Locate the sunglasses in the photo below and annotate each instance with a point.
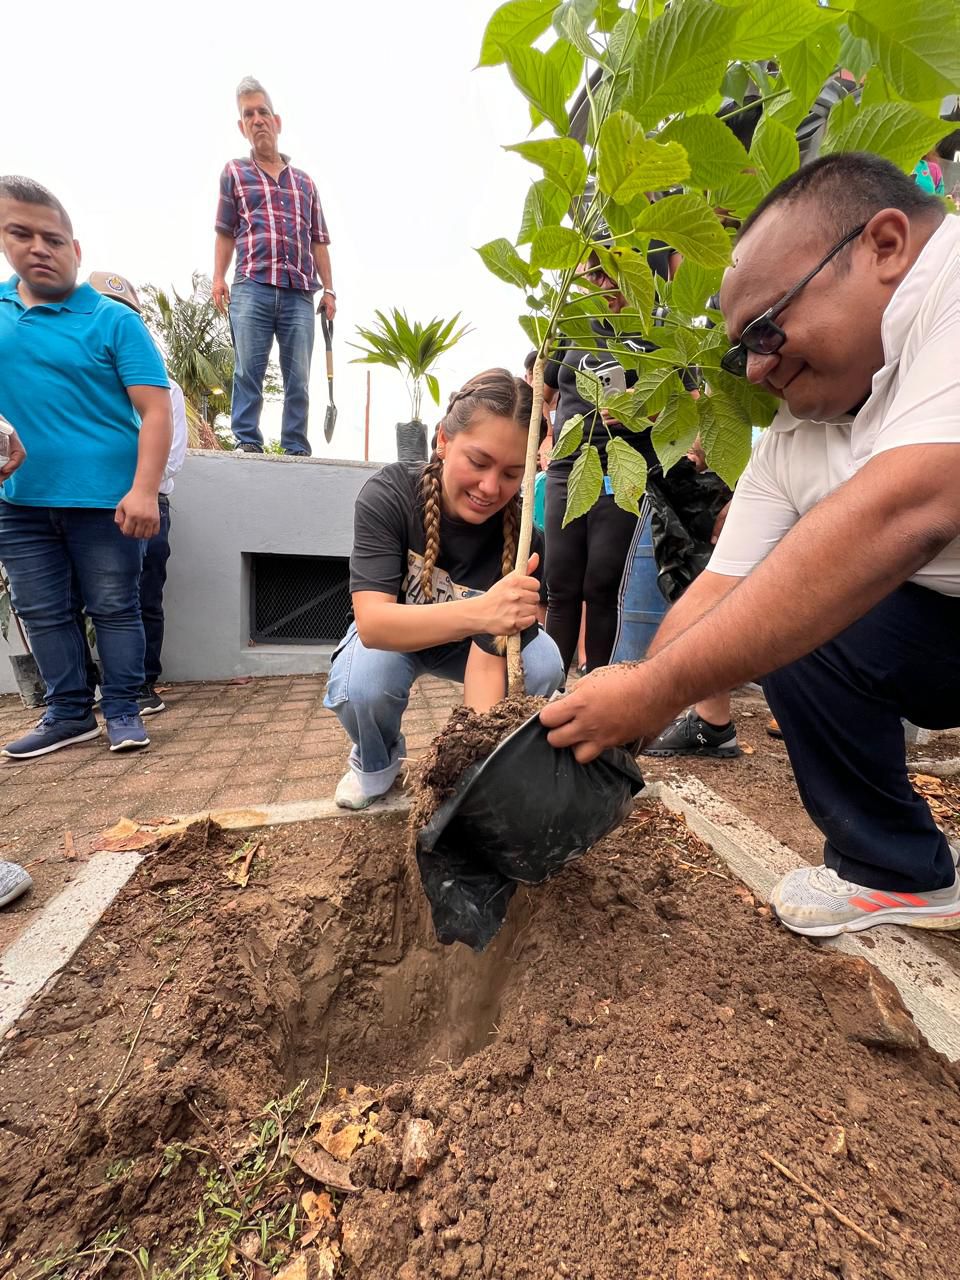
(763, 336)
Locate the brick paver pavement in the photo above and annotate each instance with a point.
(218, 745)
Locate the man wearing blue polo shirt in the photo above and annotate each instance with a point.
(84, 385)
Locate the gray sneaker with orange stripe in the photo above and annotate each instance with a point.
(814, 901)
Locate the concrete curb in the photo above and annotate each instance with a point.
(41, 951)
(929, 987)
(33, 962)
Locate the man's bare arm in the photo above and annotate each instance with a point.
(321, 258)
(137, 512)
(698, 599)
(222, 254)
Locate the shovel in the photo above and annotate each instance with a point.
(330, 421)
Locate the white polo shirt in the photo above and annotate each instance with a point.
(915, 399)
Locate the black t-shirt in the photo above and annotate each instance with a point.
(389, 542)
(561, 372)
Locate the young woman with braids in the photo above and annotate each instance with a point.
(431, 545)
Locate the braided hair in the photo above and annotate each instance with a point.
(497, 392)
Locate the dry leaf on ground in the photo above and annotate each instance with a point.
(317, 1206)
(321, 1166)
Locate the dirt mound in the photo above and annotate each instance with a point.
(466, 738)
(643, 1077)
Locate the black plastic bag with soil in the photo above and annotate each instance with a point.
(498, 805)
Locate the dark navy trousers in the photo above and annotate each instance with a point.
(839, 709)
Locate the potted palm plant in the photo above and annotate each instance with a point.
(412, 349)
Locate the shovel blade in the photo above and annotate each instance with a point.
(329, 422)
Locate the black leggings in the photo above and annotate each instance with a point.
(584, 565)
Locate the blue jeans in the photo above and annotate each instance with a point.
(49, 554)
(258, 313)
(369, 689)
(839, 710)
(153, 578)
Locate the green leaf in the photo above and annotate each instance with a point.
(626, 409)
(775, 153)
(433, 386)
(725, 433)
(895, 130)
(608, 15)
(628, 474)
(877, 91)
(736, 82)
(624, 41)
(570, 438)
(556, 248)
(807, 65)
(636, 281)
(584, 484)
(535, 327)
(561, 159)
(589, 388)
(568, 64)
(539, 82)
(500, 257)
(544, 206)
(758, 405)
(689, 225)
(514, 25)
(917, 45)
(692, 286)
(770, 26)
(653, 388)
(681, 60)
(855, 53)
(570, 26)
(628, 164)
(676, 428)
(715, 154)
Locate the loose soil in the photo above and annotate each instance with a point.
(466, 738)
(601, 1095)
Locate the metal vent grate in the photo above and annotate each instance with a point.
(299, 599)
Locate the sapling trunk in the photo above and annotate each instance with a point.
(515, 683)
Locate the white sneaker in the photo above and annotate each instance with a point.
(349, 793)
(815, 901)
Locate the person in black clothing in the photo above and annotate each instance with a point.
(585, 561)
(431, 545)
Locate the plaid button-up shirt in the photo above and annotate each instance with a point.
(274, 221)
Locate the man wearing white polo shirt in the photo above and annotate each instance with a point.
(838, 569)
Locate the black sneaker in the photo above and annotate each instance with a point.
(247, 448)
(690, 735)
(150, 701)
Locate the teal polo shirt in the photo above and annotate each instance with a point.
(64, 370)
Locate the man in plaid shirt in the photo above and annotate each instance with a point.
(270, 213)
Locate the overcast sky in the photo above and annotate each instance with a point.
(128, 115)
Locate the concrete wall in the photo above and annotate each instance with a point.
(225, 507)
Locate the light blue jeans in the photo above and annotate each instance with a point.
(368, 689)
